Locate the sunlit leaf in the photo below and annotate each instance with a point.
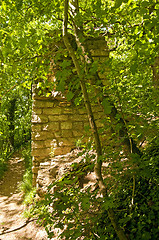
(69, 95)
(118, 3)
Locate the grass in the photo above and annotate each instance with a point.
(25, 187)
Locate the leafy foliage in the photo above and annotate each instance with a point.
(81, 212)
(32, 48)
(15, 118)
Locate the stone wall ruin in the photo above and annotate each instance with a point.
(57, 124)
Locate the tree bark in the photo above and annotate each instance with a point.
(93, 126)
(11, 113)
(155, 69)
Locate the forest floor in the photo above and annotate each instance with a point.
(13, 226)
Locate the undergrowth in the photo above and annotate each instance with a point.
(81, 213)
(25, 187)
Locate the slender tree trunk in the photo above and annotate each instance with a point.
(155, 69)
(93, 126)
(11, 120)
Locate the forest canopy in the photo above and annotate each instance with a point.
(39, 36)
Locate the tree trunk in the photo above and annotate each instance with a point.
(93, 126)
(11, 120)
(155, 69)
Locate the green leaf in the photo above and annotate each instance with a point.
(4, 5)
(146, 236)
(48, 94)
(61, 86)
(145, 4)
(118, 3)
(133, 68)
(87, 128)
(65, 63)
(85, 203)
(107, 106)
(108, 204)
(69, 96)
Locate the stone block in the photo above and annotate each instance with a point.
(52, 111)
(43, 118)
(78, 126)
(58, 134)
(60, 117)
(36, 127)
(44, 127)
(66, 125)
(37, 111)
(42, 104)
(64, 104)
(78, 117)
(38, 159)
(66, 142)
(53, 126)
(41, 135)
(42, 152)
(66, 133)
(67, 110)
(38, 144)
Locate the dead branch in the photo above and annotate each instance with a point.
(18, 228)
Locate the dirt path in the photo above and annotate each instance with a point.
(11, 208)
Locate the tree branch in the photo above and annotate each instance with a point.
(85, 93)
